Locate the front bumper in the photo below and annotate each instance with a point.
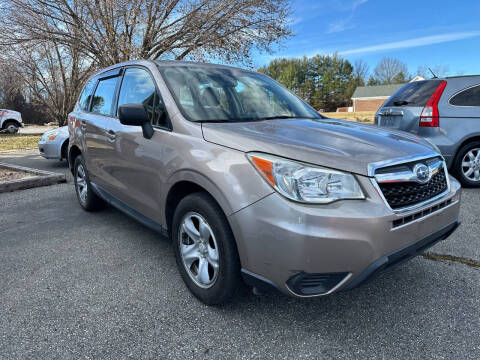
(50, 149)
(402, 255)
(341, 244)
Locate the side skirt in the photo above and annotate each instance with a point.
(123, 207)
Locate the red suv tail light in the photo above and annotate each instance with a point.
(430, 116)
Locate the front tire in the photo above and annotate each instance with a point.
(87, 199)
(467, 164)
(205, 249)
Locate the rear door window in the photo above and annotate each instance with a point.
(415, 93)
(467, 97)
(104, 96)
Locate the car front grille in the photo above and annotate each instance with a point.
(404, 194)
(408, 219)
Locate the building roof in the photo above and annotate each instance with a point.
(375, 91)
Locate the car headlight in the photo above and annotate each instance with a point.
(304, 182)
(49, 135)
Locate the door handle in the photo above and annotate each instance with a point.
(83, 125)
(111, 135)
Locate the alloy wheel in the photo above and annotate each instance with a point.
(471, 165)
(199, 250)
(81, 183)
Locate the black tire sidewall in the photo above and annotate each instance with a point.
(14, 131)
(92, 202)
(228, 278)
(457, 167)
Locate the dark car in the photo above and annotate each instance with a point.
(446, 112)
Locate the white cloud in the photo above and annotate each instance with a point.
(404, 44)
(416, 42)
(295, 20)
(347, 22)
(357, 3)
(340, 25)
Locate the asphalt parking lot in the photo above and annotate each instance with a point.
(82, 285)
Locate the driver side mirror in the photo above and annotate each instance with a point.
(135, 115)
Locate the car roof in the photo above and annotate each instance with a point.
(119, 65)
(448, 77)
(165, 63)
(461, 76)
(168, 63)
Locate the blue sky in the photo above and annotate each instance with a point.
(418, 32)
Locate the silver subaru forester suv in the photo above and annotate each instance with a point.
(252, 184)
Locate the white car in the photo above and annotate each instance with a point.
(10, 121)
(54, 144)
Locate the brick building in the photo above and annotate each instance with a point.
(370, 98)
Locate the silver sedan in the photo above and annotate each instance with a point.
(54, 144)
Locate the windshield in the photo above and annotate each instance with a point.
(220, 94)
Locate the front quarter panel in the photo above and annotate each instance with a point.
(225, 173)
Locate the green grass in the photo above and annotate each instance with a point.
(10, 142)
(360, 116)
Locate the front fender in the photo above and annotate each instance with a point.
(202, 181)
(229, 200)
(225, 173)
(19, 124)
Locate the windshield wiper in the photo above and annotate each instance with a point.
(256, 119)
(284, 117)
(277, 117)
(400, 103)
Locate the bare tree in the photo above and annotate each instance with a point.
(56, 44)
(110, 31)
(11, 84)
(391, 71)
(360, 72)
(438, 70)
(52, 73)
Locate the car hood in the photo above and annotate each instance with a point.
(332, 143)
(61, 131)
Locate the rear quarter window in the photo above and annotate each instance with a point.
(86, 95)
(103, 98)
(467, 97)
(415, 93)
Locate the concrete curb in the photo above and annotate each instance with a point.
(42, 178)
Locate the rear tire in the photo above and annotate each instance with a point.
(466, 165)
(87, 199)
(205, 249)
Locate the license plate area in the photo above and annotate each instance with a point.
(389, 121)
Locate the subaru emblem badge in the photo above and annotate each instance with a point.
(422, 172)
